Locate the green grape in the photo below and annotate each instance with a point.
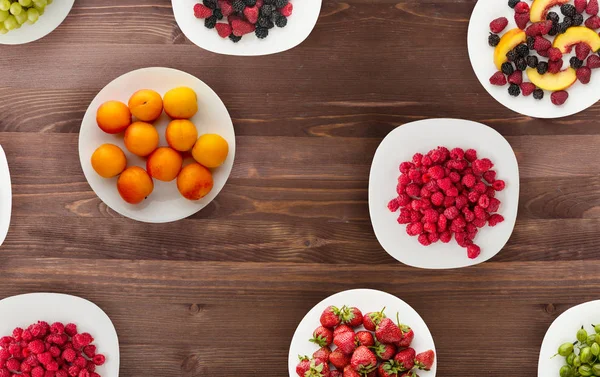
(4, 4)
(21, 18)
(3, 15)
(3, 29)
(16, 9)
(25, 3)
(50, 1)
(39, 9)
(11, 23)
(40, 3)
(33, 15)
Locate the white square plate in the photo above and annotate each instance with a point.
(298, 28)
(367, 300)
(5, 196)
(422, 136)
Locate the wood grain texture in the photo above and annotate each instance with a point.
(292, 224)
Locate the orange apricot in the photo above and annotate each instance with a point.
(195, 181)
(108, 160)
(113, 117)
(164, 164)
(134, 185)
(141, 138)
(146, 105)
(181, 135)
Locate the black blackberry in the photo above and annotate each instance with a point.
(512, 55)
(261, 32)
(493, 40)
(210, 22)
(575, 62)
(234, 38)
(553, 30)
(281, 21)
(514, 90)
(212, 4)
(265, 22)
(217, 13)
(577, 20)
(250, 3)
(530, 42)
(507, 68)
(538, 94)
(267, 10)
(513, 3)
(238, 5)
(522, 50)
(532, 61)
(281, 3)
(521, 64)
(542, 68)
(568, 21)
(568, 10)
(554, 17)
(269, 2)
(562, 27)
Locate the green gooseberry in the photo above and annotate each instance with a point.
(582, 335)
(591, 339)
(576, 362)
(595, 349)
(597, 328)
(596, 369)
(566, 371)
(586, 355)
(570, 359)
(585, 370)
(565, 349)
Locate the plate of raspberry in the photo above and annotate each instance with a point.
(300, 23)
(571, 96)
(5, 196)
(27, 309)
(364, 303)
(399, 147)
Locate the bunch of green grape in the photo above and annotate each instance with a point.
(14, 13)
(582, 356)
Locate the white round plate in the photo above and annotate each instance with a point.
(53, 16)
(23, 310)
(481, 54)
(367, 300)
(165, 203)
(422, 136)
(5, 196)
(298, 28)
(563, 330)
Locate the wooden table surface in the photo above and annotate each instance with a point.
(221, 293)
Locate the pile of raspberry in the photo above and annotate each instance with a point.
(447, 192)
(522, 56)
(241, 17)
(44, 350)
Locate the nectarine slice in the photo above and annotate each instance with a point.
(552, 81)
(509, 40)
(575, 35)
(539, 9)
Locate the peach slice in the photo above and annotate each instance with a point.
(509, 40)
(552, 81)
(539, 9)
(575, 35)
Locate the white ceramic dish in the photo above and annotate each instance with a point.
(300, 24)
(422, 136)
(367, 300)
(481, 54)
(53, 16)
(563, 330)
(165, 203)
(5, 196)
(23, 310)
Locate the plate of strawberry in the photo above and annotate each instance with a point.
(362, 332)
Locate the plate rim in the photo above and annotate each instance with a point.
(4, 168)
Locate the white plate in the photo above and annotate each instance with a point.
(23, 310)
(298, 28)
(422, 136)
(367, 300)
(5, 196)
(481, 54)
(563, 330)
(165, 203)
(53, 16)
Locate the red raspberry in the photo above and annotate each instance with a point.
(251, 14)
(433, 237)
(430, 216)
(57, 328)
(71, 329)
(446, 236)
(393, 205)
(80, 361)
(226, 8)
(37, 331)
(26, 367)
(593, 61)
(430, 228)
(554, 53)
(522, 7)
(44, 358)
(36, 346)
(414, 229)
(539, 28)
(473, 251)
(61, 373)
(5, 341)
(444, 184)
(454, 177)
(425, 193)
(52, 366)
(414, 174)
(482, 165)
(84, 373)
(14, 349)
(73, 371)
(469, 180)
(54, 351)
(461, 239)
(580, 5)
(442, 223)
(426, 161)
(241, 27)
(404, 217)
(287, 10)
(499, 185)
(471, 155)
(13, 365)
(437, 199)
(96, 374)
(424, 240)
(473, 196)
(457, 154)
(17, 332)
(449, 201)
(436, 172)
(452, 192)
(436, 156)
(480, 223)
(498, 25)
(403, 200)
(468, 214)
(404, 179)
(405, 167)
(527, 88)
(480, 213)
(38, 372)
(432, 187)
(495, 219)
(494, 205)
(32, 361)
(202, 11)
(522, 19)
(490, 192)
(417, 159)
(556, 66)
(451, 213)
(489, 176)
(480, 187)
(27, 337)
(543, 53)
(91, 367)
(223, 29)
(461, 201)
(541, 44)
(4, 355)
(582, 50)
(584, 74)
(416, 205)
(483, 201)
(458, 223)
(415, 216)
(592, 8)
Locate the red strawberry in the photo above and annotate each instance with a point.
(498, 25)
(322, 336)
(202, 11)
(593, 22)
(539, 28)
(339, 359)
(322, 353)
(330, 317)
(407, 337)
(251, 14)
(341, 329)
(555, 66)
(593, 61)
(522, 7)
(225, 7)
(372, 319)
(333, 373)
(580, 5)
(364, 338)
(352, 317)
(303, 366)
(372, 373)
(363, 360)
(223, 29)
(388, 332)
(405, 359)
(516, 77)
(522, 19)
(592, 8)
(424, 360)
(526, 88)
(345, 342)
(584, 74)
(388, 369)
(242, 27)
(350, 372)
(541, 44)
(554, 54)
(497, 79)
(287, 10)
(582, 50)
(384, 351)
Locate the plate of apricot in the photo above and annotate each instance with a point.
(157, 145)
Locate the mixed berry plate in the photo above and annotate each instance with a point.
(22, 310)
(5, 196)
(580, 96)
(298, 28)
(421, 136)
(54, 15)
(367, 300)
(167, 204)
(562, 330)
